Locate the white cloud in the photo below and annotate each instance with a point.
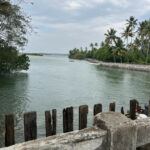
(73, 5)
(65, 24)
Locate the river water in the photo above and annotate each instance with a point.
(55, 82)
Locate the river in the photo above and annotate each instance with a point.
(55, 82)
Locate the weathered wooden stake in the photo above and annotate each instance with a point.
(48, 123)
(9, 130)
(133, 107)
(54, 121)
(83, 111)
(97, 109)
(112, 106)
(148, 113)
(68, 119)
(30, 126)
(122, 110)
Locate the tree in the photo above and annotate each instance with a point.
(13, 28)
(92, 46)
(114, 49)
(126, 34)
(131, 24)
(111, 36)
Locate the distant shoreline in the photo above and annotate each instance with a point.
(46, 54)
(135, 67)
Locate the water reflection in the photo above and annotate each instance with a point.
(13, 98)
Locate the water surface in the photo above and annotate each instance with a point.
(55, 82)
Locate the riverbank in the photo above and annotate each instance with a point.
(136, 67)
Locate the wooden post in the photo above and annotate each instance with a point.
(64, 121)
(148, 109)
(54, 121)
(83, 111)
(122, 110)
(9, 130)
(68, 119)
(133, 106)
(48, 123)
(97, 109)
(112, 106)
(30, 126)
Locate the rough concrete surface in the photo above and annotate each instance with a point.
(87, 139)
(121, 130)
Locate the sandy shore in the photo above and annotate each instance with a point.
(136, 67)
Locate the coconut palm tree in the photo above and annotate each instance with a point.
(141, 34)
(131, 24)
(118, 50)
(92, 46)
(126, 34)
(146, 32)
(96, 44)
(144, 35)
(111, 36)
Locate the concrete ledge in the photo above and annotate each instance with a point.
(90, 138)
(143, 131)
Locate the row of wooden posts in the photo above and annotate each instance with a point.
(30, 121)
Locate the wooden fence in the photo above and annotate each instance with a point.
(30, 121)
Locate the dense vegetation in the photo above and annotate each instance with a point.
(132, 46)
(13, 29)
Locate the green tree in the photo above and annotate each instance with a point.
(131, 24)
(13, 28)
(126, 34)
(111, 36)
(92, 46)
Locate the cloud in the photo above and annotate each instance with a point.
(65, 24)
(73, 5)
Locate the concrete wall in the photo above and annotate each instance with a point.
(111, 131)
(87, 139)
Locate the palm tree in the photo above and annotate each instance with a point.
(126, 34)
(96, 44)
(131, 24)
(141, 34)
(102, 44)
(144, 35)
(92, 45)
(111, 36)
(147, 37)
(119, 49)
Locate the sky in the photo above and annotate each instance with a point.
(61, 25)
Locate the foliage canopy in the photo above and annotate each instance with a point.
(13, 29)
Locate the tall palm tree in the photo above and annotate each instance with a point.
(144, 35)
(141, 34)
(147, 37)
(102, 44)
(131, 24)
(126, 34)
(92, 46)
(96, 44)
(120, 50)
(111, 36)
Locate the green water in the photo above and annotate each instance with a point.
(55, 82)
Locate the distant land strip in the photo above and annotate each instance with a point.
(43, 54)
